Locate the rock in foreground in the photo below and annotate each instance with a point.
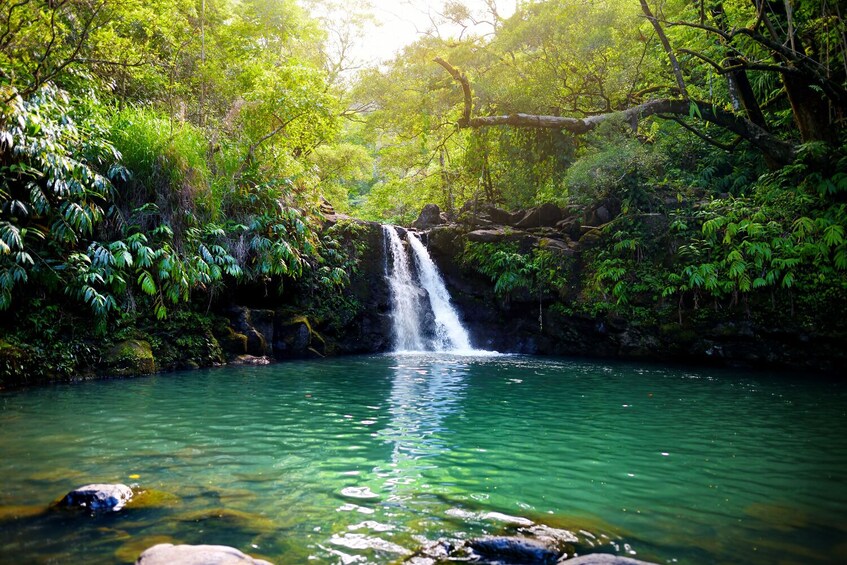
(99, 497)
(540, 545)
(169, 554)
(509, 549)
(603, 559)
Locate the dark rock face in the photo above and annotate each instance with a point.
(257, 335)
(257, 326)
(98, 497)
(371, 331)
(292, 338)
(169, 554)
(519, 322)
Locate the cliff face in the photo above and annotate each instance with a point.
(284, 327)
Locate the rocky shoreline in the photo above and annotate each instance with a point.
(523, 541)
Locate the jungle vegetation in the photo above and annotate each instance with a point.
(155, 153)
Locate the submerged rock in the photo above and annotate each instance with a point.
(603, 559)
(99, 497)
(169, 554)
(150, 498)
(250, 360)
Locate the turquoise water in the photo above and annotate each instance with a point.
(362, 459)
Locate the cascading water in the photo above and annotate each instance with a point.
(408, 312)
(449, 332)
(405, 311)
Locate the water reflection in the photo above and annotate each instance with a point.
(425, 390)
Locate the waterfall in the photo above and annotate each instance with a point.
(411, 319)
(405, 311)
(449, 332)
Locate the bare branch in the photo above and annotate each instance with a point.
(677, 71)
(466, 89)
(779, 151)
(729, 147)
(9, 33)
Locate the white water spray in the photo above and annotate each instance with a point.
(450, 335)
(405, 298)
(408, 313)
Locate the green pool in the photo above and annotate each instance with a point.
(363, 459)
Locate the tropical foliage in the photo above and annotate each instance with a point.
(155, 154)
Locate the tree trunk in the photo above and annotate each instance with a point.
(811, 111)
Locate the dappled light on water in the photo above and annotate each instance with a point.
(364, 459)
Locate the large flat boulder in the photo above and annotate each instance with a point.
(494, 235)
(169, 554)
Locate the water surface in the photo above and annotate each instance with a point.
(362, 459)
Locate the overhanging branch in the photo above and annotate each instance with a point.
(466, 89)
(780, 151)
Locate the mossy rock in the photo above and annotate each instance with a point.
(129, 551)
(151, 498)
(295, 338)
(10, 513)
(227, 519)
(233, 342)
(129, 358)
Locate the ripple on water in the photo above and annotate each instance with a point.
(361, 460)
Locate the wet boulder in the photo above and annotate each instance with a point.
(513, 549)
(250, 360)
(98, 497)
(169, 554)
(603, 559)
